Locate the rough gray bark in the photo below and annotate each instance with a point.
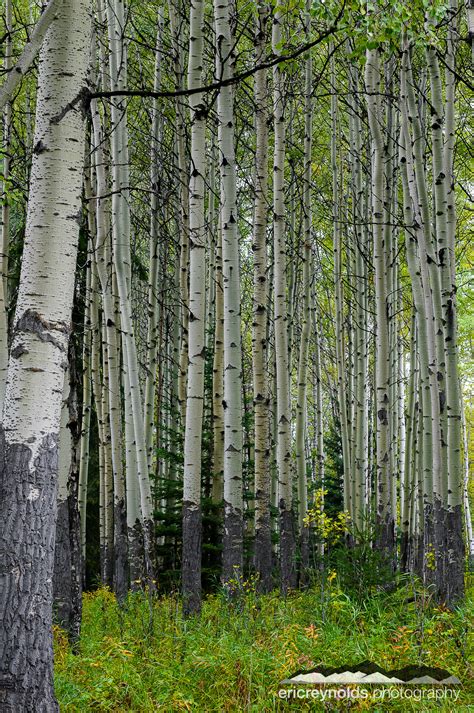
(191, 574)
(26, 673)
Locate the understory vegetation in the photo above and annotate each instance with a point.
(146, 658)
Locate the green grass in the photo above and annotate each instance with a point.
(233, 657)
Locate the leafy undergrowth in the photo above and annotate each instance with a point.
(233, 657)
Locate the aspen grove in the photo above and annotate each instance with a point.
(236, 315)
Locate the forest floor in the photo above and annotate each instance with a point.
(232, 658)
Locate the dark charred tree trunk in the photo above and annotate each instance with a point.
(232, 558)
(455, 553)
(303, 578)
(67, 578)
(263, 550)
(136, 558)
(120, 551)
(287, 549)
(191, 566)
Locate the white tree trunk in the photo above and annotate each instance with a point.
(263, 548)
(31, 413)
(122, 264)
(191, 573)
(385, 515)
(301, 403)
(280, 316)
(52, 12)
(233, 439)
(153, 330)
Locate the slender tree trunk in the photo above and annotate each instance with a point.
(122, 264)
(385, 515)
(108, 484)
(86, 405)
(191, 571)
(435, 488)
(29, 444)
(154, 320)
(178, 42)
(103, 258)
(233, 438)
(319, 476)
(467, 509)
(280, 317)
(452, 580)
(409, 482)
(301, 404)
(361, 382)
(67, 578)
(218, 382)
(339, 300)
(98, 400)
(263, 545)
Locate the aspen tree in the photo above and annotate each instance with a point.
(361, 421)
(408, 481)
(154, 317)
(96, 356)
(431, 286)
(211, 243)
(453, 580)
(213, 484)
(35, 377)
(280, 322)
(339, 300)
(440, 248)
(62, 551)
(263, 546)
(103, 266)
(390, 243)
(191, 568)
(84, 447)
(301, 404)
(84, 450)
(67, 577)
(218, 381)
(108, 484)
(178, 41)
(466, 475)
(122, 265)
(215, 334)
(385, 515)
(423, 312)
(233, 438)
(319, 474)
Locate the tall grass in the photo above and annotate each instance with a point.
(147, 658)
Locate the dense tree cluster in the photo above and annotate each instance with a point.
(235, 237)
